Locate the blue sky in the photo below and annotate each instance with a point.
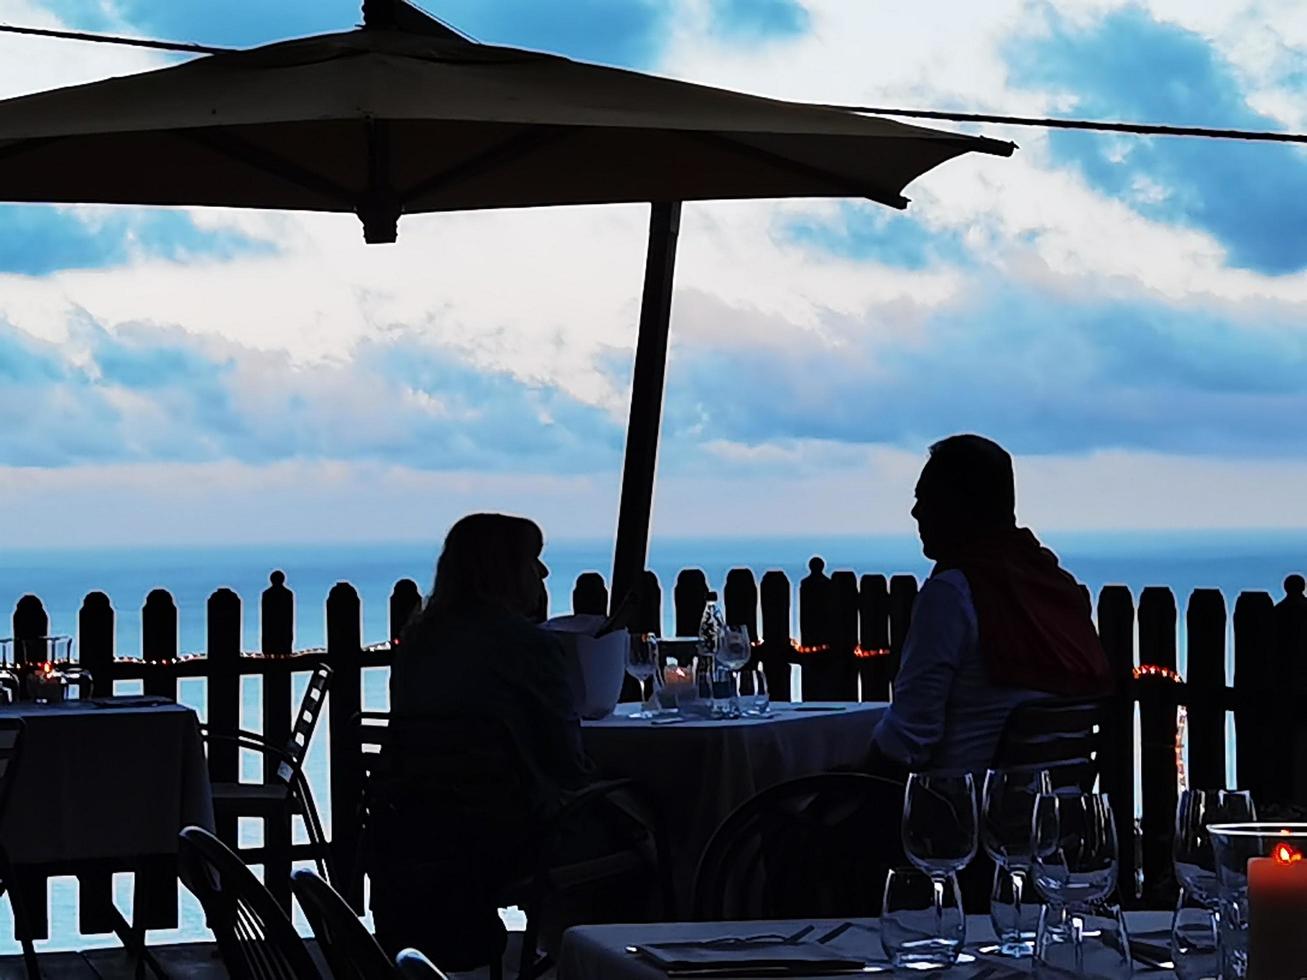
(1100, 304)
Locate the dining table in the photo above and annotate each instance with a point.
(104, 785)
(609, 952)
(699, 770)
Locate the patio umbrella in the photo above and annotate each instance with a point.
(406, 116)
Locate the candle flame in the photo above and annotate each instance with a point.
(1284, 854)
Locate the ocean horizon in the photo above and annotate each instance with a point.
(1232, 561)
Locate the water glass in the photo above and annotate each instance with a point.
(1083, 940)
(1194, 945)
(1014, 910)
(921, 924)
(754, 699)
(1007, 809)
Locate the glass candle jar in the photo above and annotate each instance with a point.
(1261, 871)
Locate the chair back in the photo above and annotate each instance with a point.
(11, 743)
(818, 846)
(256, 939)
(351, 951)
(1063, 735)
(306, 720)
(412, 965)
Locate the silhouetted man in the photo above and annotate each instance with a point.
(997, 623)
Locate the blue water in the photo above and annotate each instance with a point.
(1229, 561)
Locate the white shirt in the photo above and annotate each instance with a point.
(945, 714)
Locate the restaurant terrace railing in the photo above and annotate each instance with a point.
(850, 634)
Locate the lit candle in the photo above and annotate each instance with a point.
(1277, 915)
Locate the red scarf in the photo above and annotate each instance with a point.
(1034, 622)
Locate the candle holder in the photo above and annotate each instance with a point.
(1261, 871)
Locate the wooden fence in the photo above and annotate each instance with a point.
(850, 633)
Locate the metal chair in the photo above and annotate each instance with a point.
(352, 953)
(288, 795)
(814, 847)
(412, 965)
(1062, 735)
(11, 744)
(255, 936)
(450, 795)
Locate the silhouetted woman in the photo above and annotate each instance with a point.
(471, 667)
(998, 622)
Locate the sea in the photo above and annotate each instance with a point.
(1232, 561)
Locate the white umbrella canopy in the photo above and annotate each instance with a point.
(387, 121)
(405, 116)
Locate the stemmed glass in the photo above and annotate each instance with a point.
(642, 665)
(734, 652)
(1194, 930)
(940, 838)
(1007, 809)
(1075, 863)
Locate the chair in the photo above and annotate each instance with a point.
(288, 794)
(412, 965)
(817, 846)
(1063, 735)
(350, 950)
(11, 743)
(451, 794)
(255, 936)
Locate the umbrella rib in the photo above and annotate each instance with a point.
(236, 148)
(851, 187)
(511, 149)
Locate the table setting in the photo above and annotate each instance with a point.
(1241, 913)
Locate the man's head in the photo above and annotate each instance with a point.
(966, 490)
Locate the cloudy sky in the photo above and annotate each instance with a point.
(1128, 315)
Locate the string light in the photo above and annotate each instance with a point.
(1181, 717)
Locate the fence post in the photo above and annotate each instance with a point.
(742, 606)
(1157, 708)
(344, 649)
(155, 898)
(31, 624)
(1205, 687)
(95, 641)
(902, 597)
(277, 605)
(844, 636)
(650, 616)
(1116, 631)
(690, 596)
(1291, 674)
(590, 594)
(873, 629)
(95, 649)
(777, 650)
(405, 601)
(815, 620)
(1257, 770)
(224, 683)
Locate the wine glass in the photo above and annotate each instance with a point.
(1194, 925)
(754, 699)
(642, 665)
(914, 932)
(1195, 862)
(940, 837)
(1074, 862)
(734, 651)
(1007, 809)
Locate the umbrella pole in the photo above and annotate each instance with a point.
(647, 384)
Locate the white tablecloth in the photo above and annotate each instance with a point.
(599, 952)
(700, 771)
